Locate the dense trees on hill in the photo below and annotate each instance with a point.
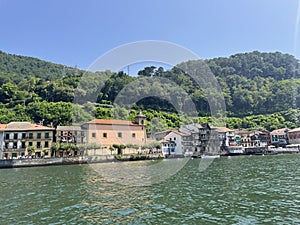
(260, 90)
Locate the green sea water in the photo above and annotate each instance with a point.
(236, 190)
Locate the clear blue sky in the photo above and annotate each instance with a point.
(77, 32)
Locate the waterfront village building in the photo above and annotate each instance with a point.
(252, 139)
(17, 137)
(226, 137)
(172, 143)
(168, 147)
(294, 136)
(158, 136)
(70, 135)
(109, 132)
(200, 139)
(191, 143)
(279, 137)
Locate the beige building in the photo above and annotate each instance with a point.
(110, 132)
(21, 139)
(294, 136)
(70, 135)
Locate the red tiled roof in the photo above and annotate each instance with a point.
(39, 127)
(294, 130)
(3, 126)
(279, 131)
(23, 126)
(223, 129)
(112, 122)
(177, 132)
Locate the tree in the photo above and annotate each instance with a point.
(119, 148)
(31, 150)
(54, 149)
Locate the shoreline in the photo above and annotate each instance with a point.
(22, 163)
(19, 163)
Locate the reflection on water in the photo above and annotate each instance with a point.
(236, 190)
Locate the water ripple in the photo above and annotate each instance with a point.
(241, 190)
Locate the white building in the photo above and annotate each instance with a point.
(176, 137)
(279, 137)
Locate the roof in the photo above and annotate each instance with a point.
(294, 130)
(39, 127)
(179, 133)
(223, 129)
(112, 122)
(23, 126)
(238, 131)
(67, 128)
(279, 131)
(3, 126)
(141, 115)
(18, 125)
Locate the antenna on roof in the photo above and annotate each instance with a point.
(41, 122)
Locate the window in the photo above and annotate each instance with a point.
(133, 135)
(82, 133)
(105, 135)
(39, 135)
(175, 138)
(120, 135)
(23, 135)
(23, 144)
(30, 135)
(47, 135)
(75, 133)
(7, 136)
(15, 136)
(38, 144)
(30, 143)
(46, 144)
(93, 135)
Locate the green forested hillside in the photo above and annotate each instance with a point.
(261, 90)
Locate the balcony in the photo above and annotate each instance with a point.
(14, 149)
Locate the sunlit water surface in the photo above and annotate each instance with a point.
(236, 190)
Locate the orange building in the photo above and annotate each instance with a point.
(110, 132)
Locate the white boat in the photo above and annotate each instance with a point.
(209, 156)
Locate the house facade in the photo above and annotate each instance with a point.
(226, 137)
(21, 139)
(294, 136)
(168, 147)
(252, 139)
(279, 137)
(70, 135)
(200, 139)
(120, 132)
(174, 139)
